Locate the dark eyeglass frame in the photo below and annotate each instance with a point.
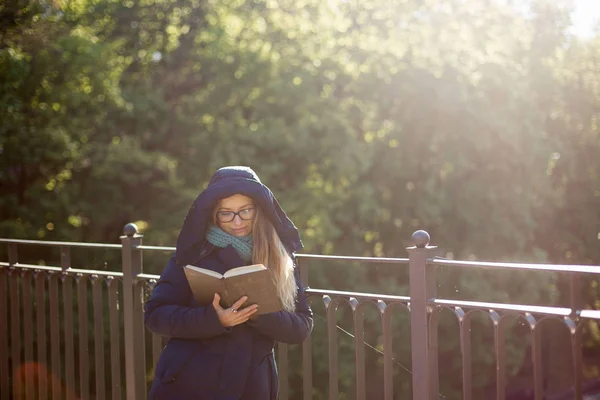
(239, 213)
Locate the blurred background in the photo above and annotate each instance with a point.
(476, 120)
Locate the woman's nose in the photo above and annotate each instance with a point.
(237, 220)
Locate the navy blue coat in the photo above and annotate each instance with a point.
(203, 360)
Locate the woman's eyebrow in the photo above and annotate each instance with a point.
(231, 209)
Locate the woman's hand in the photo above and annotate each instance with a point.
(233, 316)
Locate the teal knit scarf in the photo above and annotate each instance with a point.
(241, 244)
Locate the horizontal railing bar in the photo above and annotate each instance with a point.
(356, 295)
(589, 269)
(67, 244)
(147, 277)
(592, 314)
(351, 258)
(94, 272)
(31, 266)
(561, 311)
(155, 248)
(59, 269)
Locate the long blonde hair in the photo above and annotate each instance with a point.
(267, 249)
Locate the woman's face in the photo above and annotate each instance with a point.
(235, 215)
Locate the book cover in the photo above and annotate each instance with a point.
(253, 281)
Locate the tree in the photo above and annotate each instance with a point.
(368, 120)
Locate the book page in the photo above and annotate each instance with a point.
(244, 270)
(205, 271)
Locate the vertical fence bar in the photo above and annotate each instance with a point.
(112, 286)
(282, 362)
(307, 381)
(388, 366)
(139, 296)
(433, 354)
(330, 307)
(536, 358)
(422, 289)
(65, 263)
(359, 348)
(307, 384)
(576, 351)
(98, 304)
(464, 322)
(42, 337)
(4, 322)
(133, 315)
(68, 337)
(84, 361)
(28, 336)
(55, 351)
(157, 340)
(499, 345)
(15, 324)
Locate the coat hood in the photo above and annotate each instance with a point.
(226, 182)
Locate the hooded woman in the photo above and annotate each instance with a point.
(215, 353)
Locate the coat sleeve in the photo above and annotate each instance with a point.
(284, 326)
(168, 311)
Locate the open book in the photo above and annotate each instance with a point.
(253, 281)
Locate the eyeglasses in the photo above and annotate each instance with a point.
(247, 214)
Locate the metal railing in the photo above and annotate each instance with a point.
(49, 365)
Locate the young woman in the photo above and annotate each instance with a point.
(215, 353)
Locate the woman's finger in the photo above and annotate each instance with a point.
(239, 303)
(247, 310)
(233, 315)
(216, 301)
(243, 315)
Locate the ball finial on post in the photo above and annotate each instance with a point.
(420, 239)
(130, 229)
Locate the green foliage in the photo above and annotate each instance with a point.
(369, 120)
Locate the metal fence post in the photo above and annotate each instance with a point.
(133, 315)
(422, 289)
